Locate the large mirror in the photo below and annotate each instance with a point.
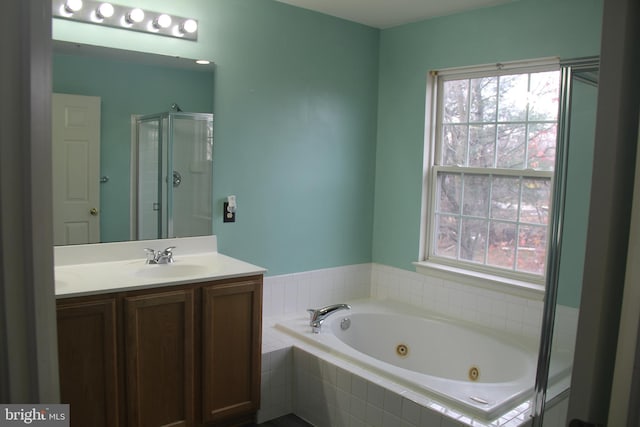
(132, 139)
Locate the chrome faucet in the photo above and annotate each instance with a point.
(317, 315)
(160, 257)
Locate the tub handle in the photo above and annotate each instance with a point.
(318, 315)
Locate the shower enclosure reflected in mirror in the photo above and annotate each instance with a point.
(126, 85)
(172, 175)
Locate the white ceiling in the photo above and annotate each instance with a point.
(391, 13)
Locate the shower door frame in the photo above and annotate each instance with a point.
(569, 70)
(170, 116)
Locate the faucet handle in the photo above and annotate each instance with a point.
(168, 253)
(151, 255)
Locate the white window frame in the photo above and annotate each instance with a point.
(519, 283)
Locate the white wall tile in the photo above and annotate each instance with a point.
(375, 395)
(410, 412)
(373, 416)
(390, 420)
(295, 293)
(429, 418)
(357, 407)
(344, 380)
(359, 387)
(392, 403)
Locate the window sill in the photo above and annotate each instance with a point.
(482, 280)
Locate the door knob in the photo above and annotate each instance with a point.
(94, 211)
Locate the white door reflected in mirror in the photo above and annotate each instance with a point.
(76, 169)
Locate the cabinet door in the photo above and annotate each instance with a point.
(159, 350)
(231, 344)
(88, 361)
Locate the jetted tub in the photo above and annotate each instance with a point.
(482, 372)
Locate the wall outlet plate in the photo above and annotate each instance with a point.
(228, 216)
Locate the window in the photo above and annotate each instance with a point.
(490, 178)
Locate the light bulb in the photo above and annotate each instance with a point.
(136, 15)
(203, 62)
(105, 10)
(189, 26)
(162, 21)
(72, 6)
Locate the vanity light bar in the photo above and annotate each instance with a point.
(126, 17)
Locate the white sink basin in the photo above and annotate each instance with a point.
(171, 270)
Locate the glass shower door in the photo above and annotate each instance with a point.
(564, 284)
(149, 221)
(174, 175)
(191, 157)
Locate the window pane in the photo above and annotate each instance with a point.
(473, 240)
(483, 99)
(449, 189)
(447, 236)
(511, 146)
(536, 195)
(502, 244)
(476, 195)
(482, 146)
(486, 125)
(532, 244)
(454, 145)
(505, 198)
(543, 100)
(455, 101)
(542, 146)
(512, 101)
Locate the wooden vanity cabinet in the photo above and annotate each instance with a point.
(88, 360)
(185, 355)
(232, 325)
(159, 358)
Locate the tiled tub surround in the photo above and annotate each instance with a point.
(508, 313)
(289, 294)
(439, 359)
(329, 392)
(295, 293)
(497, 310)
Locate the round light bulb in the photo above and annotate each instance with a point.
(189, 26)
(105, 10)
(162, 21)
(73, 5)
(136, 15)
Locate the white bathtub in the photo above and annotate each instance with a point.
(478, 371)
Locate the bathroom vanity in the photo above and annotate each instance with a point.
(159, 345)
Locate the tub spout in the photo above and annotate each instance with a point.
(317, 315)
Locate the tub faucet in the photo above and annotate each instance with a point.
(160, 257)
(317, 315)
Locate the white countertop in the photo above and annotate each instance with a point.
(101, 269)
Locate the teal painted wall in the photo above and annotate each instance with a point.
(320, 122)
(519, 30)
(295, 125)
(125, 89)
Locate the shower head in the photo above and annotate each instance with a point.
(175, 107)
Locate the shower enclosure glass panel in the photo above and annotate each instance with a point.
(571, 202)
(148, 209)
(175, 174)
